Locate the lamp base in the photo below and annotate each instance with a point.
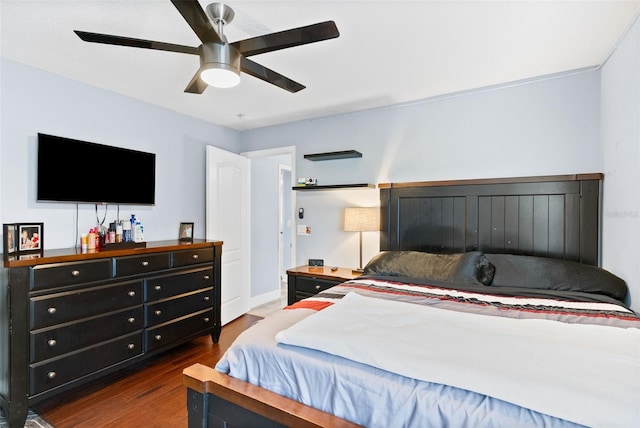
(360, 271)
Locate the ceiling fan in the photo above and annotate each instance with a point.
(220, 61)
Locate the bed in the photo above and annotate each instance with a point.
(485, 307)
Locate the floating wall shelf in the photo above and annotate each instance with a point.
(346, 154)
(336, 186)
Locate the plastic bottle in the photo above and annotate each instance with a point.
(91, 241)
(84, 242)
(126, 231)
(98, 237)
(132, 220)
(119, 232)
(137, 232)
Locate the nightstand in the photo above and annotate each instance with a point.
(305, 281)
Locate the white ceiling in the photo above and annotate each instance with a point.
(388, 52)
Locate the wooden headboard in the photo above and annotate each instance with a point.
(550, 216)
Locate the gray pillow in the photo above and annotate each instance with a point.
(554, 274)
(469, 268)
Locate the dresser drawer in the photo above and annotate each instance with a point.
(52, 373)
(144, 263)
(179, 330)
(310, 285)
(73, 305)
(165, 286)
(52, 342)
(165, 310)
(192, 257)
(72, 273)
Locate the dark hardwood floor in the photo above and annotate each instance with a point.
(147, 395)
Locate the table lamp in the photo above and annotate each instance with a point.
(361, 219)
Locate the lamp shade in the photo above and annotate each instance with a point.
(362, 219)
(220, 77)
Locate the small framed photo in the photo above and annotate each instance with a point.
(23, 240)
(186, 232)
(10, 242)
(30, 237)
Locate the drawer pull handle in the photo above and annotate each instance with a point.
(75, 273)
(158, 287)
(158, 312)
(158, 336)
(206, 319)
(131, 320)
(145, 263)
(51, 375)
(207, 277)
(207, 298)
(194, 257)
(52, 342)
(52, 310)
(131, 346)
(317, 287)
(131, 293)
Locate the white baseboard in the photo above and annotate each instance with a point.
(264, 298)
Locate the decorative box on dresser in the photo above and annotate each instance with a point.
(69, 317)
(305, 281)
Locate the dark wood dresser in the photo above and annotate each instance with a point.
(68, 317)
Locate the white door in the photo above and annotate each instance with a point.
(227, 220)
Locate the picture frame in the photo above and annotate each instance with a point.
(22, 241)
(9, 241)
(185, 233)
(30, 238)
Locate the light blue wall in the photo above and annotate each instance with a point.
(621, 153)
(35, 101)
(537, 128)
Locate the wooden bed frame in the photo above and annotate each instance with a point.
(551, 216)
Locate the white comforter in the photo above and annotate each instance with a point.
(588, 374)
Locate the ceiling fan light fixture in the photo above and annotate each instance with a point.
(220, 76)
(220, 65)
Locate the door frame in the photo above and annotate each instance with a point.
(282, 244)
(284, 150)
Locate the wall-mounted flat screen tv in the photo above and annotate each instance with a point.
(71, 170)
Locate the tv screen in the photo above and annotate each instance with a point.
(71, 170)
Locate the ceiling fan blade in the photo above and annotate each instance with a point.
(197, 19)
(196, 86)
(269, 76)
(136, 43)
(288, 38)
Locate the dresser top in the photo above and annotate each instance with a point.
(76, 254)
